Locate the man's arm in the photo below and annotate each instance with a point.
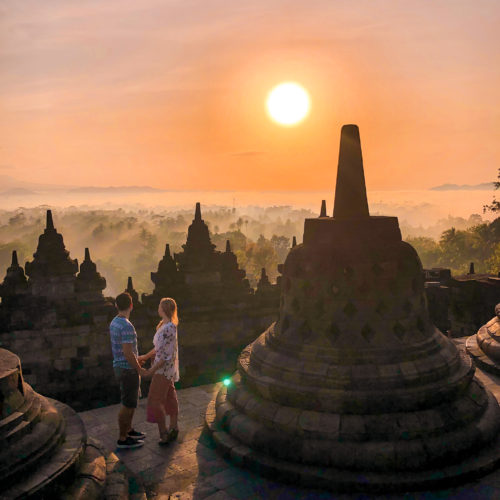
(130, 357)
(145, 357)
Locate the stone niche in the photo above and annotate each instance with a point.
(354, 388)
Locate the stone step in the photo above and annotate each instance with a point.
(24, 425)
(345, 480)
(26, 453)
(11, 421)
(49, 474)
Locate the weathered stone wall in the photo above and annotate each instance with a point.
(210, 341)
(74, 364)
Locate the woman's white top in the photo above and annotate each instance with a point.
(165, 342)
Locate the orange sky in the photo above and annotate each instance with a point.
(171, 93)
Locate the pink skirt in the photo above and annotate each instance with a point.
(162, 399)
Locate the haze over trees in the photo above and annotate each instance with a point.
(130, 242)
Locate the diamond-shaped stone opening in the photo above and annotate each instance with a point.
(399, 330)
(305, 330)
(420, 324)
(319, 308)
(285, 325)
(367, 332)
(407, 307)
(350, 309)
(348, 272)
(334, 331)
(381, 308)
(364, 287)
(377, 269)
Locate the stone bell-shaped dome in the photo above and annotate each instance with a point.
(354, 388)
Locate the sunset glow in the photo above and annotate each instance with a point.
(288, 103)
(161, 94)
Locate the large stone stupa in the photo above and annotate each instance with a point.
(354, 388)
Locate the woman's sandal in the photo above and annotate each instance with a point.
(164, 439)
(172, 435)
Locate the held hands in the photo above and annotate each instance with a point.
(149, 373)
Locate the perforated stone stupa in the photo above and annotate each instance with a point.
(353, 388)
(484, 347)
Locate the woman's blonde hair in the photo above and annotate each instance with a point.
(169, 307)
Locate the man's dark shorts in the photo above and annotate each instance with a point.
(129, 381)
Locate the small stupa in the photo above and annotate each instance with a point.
(52, 271)
(89, 282)
(15, 282)
(353, 388)
(484, 346)
(166, 276)
(199, 261)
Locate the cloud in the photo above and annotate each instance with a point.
(248, 153)
(6, 167)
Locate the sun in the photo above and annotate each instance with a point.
(288, 103)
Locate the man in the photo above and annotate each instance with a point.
(128, 370)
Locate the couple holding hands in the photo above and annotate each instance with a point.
(128, 368)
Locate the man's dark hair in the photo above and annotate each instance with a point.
(123, 301)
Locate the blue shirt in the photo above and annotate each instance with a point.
(122, 331)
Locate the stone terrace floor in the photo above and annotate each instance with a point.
(191, 469)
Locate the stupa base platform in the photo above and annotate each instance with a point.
(344, 480)
(480, 358)
(51, 468)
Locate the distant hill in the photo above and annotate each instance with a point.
(484, 186)
(116, 189)
(18, 192)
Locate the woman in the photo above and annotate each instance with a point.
(162, 398)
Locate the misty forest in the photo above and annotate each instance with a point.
(130, 242)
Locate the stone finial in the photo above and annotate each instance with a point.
(15, 262)
(471, 268)
(167, 250)
(130, 285)
(350, 191)
(264, 284)
(323, 208)
(228, 246)
(294, 242)
(197, 213)
(87, 255)
(50, 222)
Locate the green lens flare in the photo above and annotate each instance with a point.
(226, 381)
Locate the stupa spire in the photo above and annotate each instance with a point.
(228, 246)
(15, 262)
(50, 222)
(323, 208)
(294, 242)
(87, 255)
(167, 250)
(350, 191)
(130, 285)
(197, 213)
